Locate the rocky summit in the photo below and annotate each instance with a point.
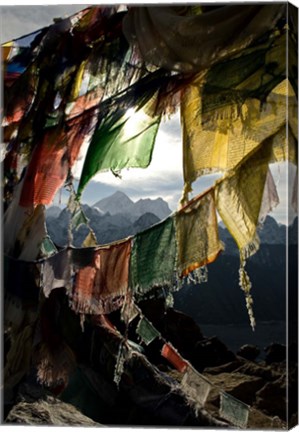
(120, 203)
(111, 218)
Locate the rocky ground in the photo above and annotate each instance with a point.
(260, 384)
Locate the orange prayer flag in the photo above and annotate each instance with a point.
(173, 357)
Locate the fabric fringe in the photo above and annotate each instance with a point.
(54, 366)
(169, 300)
(185, 196)
(129, 310)
(142, 291)
(99, 307)
(251, 248)
(196, 276)
(120, 363)
(246, 285)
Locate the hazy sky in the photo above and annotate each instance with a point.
(164, 176)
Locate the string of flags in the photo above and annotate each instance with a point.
(87, 101)
(195, 386)
(75, 82)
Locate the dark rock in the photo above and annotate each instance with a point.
(265, 372)
(177, 327)
(211, 352)
(272, 398)
(227, 367)
(240, 386)
(275, 353)
(249, 352)
(48, 411)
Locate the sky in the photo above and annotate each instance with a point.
(164, 177)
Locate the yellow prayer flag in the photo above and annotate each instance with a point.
(197, 234)
(222, 144)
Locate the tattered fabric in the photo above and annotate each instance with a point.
(195, 386)
(239, 203)
(56, 272)
(129, 310)
(123, 140)
(197, 234)
(146, 331)
(229, 83)
(52, 159)
(153, 258)
(239, 198)
(270, 197)
(170, 37)
(222, 145)
(100, 287)
(24, 229)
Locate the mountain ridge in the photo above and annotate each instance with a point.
(117, 216)
(119, 202)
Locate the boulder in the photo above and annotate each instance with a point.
(227, 367)
(48, 411)
(252, 369)
(240, 386)
(259, 421)
(249, 352)
(275, 353)
(271, 398)
(211, 352)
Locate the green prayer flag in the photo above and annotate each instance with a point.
(47, 247)
(233, 410)
(146, 331)
(124, 139)
(153, 257)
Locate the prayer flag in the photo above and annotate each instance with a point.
(146, 331)
(195, 385)
(56, 271)
(153, 257)
(197, 233)
(173, 357)
(233, 410)
(229, 139)
(129, 310)
(124, 139)
(100, 286)
(239, 198)
(47, 247)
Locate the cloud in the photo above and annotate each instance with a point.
(18, 21)
(164, 176)
(284, 176)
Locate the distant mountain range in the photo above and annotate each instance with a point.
(220, 300)
(120, 203)
(111, 218)
(273, 273)
(117, 216)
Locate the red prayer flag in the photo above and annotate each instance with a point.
(173, 357)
